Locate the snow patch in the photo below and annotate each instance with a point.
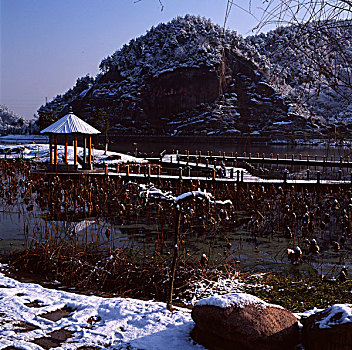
(117, 322)
(337, 314)
(239, 300)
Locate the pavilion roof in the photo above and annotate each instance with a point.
(70, 124)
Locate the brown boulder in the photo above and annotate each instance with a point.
(330, 329)
(243, 322)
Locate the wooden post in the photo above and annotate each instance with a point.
(85, 150)
(55, 151)
(75, 149)
(66, 141)
(51, 148)
(285, 176)
(90, 150)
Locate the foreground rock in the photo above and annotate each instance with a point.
(243, 322)
(330, 329)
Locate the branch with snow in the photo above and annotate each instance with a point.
(149, 191)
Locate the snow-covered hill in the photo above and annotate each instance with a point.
(11, 122)
(190, 76)
(312, 64)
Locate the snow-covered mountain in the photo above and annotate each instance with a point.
(11, 122)
(190, 76)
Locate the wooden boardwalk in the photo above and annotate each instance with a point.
(204, 169)
(342, 162)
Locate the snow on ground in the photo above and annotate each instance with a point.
(112, 323)
(40, 153)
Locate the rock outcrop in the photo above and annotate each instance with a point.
(330, 329)
(242, 321)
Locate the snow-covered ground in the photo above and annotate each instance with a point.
(110, 323)
(118, 323)
(40, 153)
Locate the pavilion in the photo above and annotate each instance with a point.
(70, 124)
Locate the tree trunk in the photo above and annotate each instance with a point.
(175, 257)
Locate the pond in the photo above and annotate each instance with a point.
(155, 145)
(252, 235)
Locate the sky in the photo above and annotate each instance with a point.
(46, 45)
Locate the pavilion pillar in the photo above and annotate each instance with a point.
(90, 150)
(75, 149)
(85, 149)
(55, 150)
(51, 148)
(66, 140)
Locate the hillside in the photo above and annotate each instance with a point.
(11, 122)
(311, 64)
(190, 77)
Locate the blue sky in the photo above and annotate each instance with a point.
(47, 44)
